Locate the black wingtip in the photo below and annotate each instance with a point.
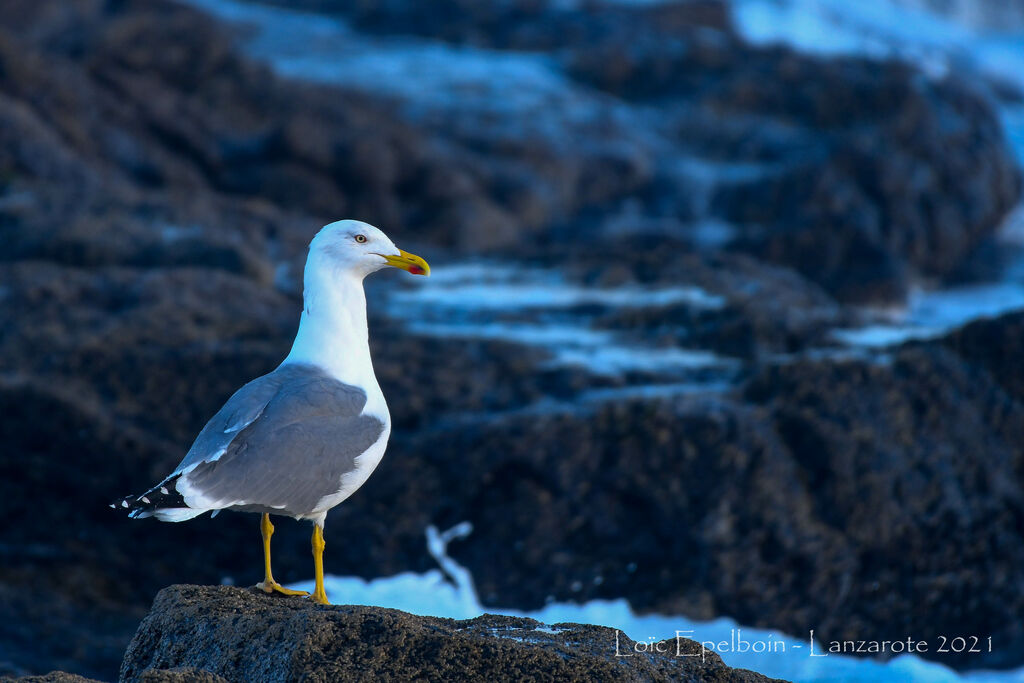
(163, 495)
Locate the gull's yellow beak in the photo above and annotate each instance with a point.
(406, 261)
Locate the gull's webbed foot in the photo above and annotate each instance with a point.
(274, 587)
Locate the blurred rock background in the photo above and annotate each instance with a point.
(718, 326)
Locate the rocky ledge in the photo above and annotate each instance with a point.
(232, 634)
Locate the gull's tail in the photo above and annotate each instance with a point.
(162, 501)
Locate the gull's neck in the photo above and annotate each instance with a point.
(332, 330)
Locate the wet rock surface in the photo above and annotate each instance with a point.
(243, 635)
(157, 191)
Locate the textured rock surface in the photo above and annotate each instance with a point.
(243, 635)
(827, 485)
(865, 176)
(52, 677)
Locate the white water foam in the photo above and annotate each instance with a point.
(450, 592)
(931, 314)
(524, 296)
(467, 92)
(882, 29)
(535, 307)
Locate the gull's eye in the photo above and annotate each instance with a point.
(361, 239)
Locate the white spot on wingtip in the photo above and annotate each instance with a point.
(163, 490)
(113, 506)
(124, 503)
(145, 500)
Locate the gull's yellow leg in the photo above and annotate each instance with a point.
(319, 595)
(268, 584)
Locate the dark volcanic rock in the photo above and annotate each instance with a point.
(90, 345)
(852, 497)
(872, 168)
(995, 345)
(247, 636)
(142, 129)
(522, 24)
(52, 677)
(765, 309)
(913, 468)
(183, 674)
(867, 168)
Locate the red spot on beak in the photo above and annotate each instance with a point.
(416, 270)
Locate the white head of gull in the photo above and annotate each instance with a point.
(301, 439)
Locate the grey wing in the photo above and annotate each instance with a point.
(294, 453)
(240, 411)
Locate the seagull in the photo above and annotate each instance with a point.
(301, 439)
